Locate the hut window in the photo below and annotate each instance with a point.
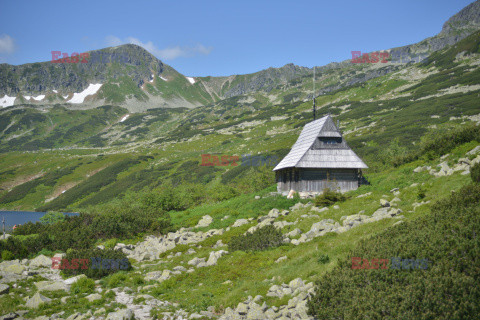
(331, 140)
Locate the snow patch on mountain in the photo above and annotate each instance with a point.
(163, 78)
(191, 80)
(38, 98)
(7, 101)
(80, 97)
(125, 118)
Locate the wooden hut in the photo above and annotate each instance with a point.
(319, 159)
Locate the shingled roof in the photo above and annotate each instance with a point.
(304, 154)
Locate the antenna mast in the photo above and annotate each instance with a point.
(314, 108)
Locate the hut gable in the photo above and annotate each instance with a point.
(321, 145)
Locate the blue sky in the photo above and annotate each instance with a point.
(201, 38)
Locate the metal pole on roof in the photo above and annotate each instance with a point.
(314, 109)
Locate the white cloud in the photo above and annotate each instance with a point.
(169, 53)
(7, 45)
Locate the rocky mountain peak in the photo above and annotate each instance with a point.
(467, 19)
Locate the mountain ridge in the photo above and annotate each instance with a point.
(131, 77)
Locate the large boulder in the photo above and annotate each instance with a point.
(4, 288)
(384, 203)
(274, 213)
(93, 297)
(15, 268)
(41, 261)
(296, 283)
(51, 285)
(324, 225)
(195, 261)
(205, 221)
(37, 300)
(240, 222)
(214, 255)
(355, 220)
(72, 280)
(124, 314)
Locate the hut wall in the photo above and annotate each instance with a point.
(316, 180)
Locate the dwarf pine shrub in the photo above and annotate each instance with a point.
(97, 263)
(328, 198)
(260, 239)
(475, 172)
(447, 238)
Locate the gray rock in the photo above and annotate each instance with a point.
(326, 224)
(242, 308)
(354, 220)
(10, 316)
(37, 300)
(295, 232)
(123, 314)
(384, 203)
(214, 255)
(154, 275)
(72, 280)
(287, 291)
(51, 285)
(41, 261)
(15, 268)
(205, 221)
(296, 283)
(78, 316)
(284, 212)
(93, 297)
(240, 222)
(180, 268)
(4, 288)
(274, 213)
(319, 210)
(419, 169)
(256, 312)
(195, 261)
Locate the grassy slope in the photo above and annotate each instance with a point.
(206, 286)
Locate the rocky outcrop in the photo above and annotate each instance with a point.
(37, 300)
(152, 247)
(443, 168)
(125, 314)
(295, 309)
(43, 77)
